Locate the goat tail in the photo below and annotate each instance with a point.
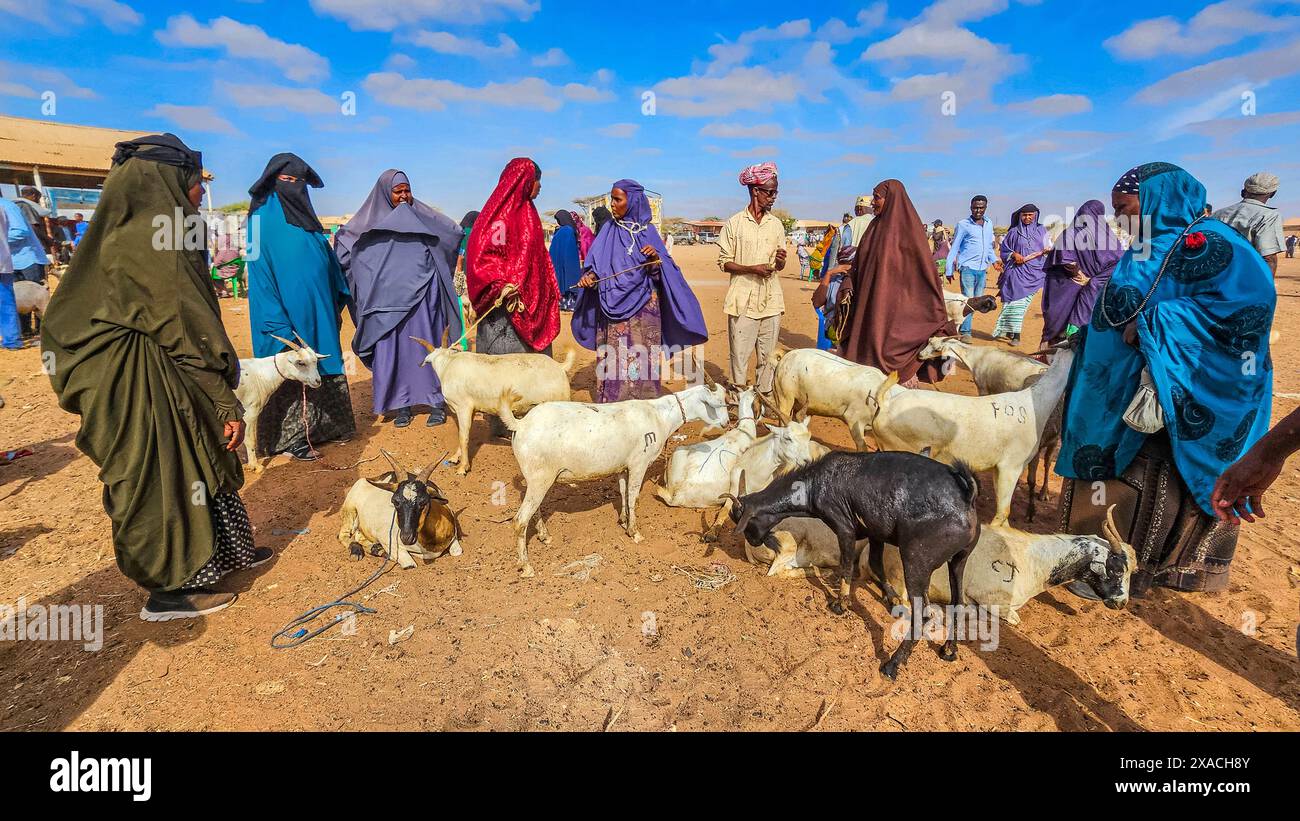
(970, 489)
(882, 392)
(776, 357)
(508, 398)
(567, 362)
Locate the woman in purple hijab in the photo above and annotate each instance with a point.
(1023, 250)
(1077, 270)
(635, 303)
(398, 255)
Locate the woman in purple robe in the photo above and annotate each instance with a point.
(1023, 251)
(1077, 270)
(635, 304)
(399, 255)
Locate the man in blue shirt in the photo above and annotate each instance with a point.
(972, 254)
(29, 259)
(10, 335)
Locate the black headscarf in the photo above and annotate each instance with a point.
(467, 221)
(601, 215)
(294, 198)
(563, 217)
(160, 148)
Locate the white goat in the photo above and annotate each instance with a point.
(697, 475)
(400, 514)
(259, 378)
(474, 382)
(998, 371)
(959, 306)
(776, 454)
(811, 382)
(580, 440)
(994, 370)
(998, 432)
(1007, 567)
(32, 298)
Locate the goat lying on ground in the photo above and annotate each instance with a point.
(399, 517)
(998, 371)
(697, 475)
(810, 382)
(776, 454)
(925, 507)
(581, 440)
(474, 382)
(1000, 432)
(259, 378)
(1007, 568)
(959, 307)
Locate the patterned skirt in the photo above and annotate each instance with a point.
(329, 416)
(234, 535)
(1012, 318)
(628, 356)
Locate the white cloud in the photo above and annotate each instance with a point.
(237, 39)
(553, 57)
(114, 15)
(387, 15)
(1054, 105)
(392, 88)
(399, 62)
(619, 130)
(1216, 25)
(741, 89)
(727, 54)
(266, 95)
(445, 42)
(1227, 129)
(854, 159)
(732, 131)
(1252, 69)
(193, 118)
(869, 19)
(765, 151)
(17, 80)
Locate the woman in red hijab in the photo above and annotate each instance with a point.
(507, 256)
(895, 302)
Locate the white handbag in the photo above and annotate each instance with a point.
(1144, 413)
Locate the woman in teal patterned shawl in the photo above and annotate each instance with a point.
(1193, 303)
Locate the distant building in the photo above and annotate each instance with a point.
(67, 162)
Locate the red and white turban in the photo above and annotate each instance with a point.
(760, 174)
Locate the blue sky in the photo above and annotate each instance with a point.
(1038, 101)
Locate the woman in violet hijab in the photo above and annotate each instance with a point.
(565, 257)
(1023, 252)
(399, 256)
(1077, 270)
(635, 304)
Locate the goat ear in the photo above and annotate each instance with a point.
(744, 519)
(741, 486)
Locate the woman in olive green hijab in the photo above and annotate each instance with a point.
(135, 347)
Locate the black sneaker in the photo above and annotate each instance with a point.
(185, 605)
(261, 556)
(403, 418)
(304, 453)
(437, 416)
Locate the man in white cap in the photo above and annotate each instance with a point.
(862, 217)
(1255, 219)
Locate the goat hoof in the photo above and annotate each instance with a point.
(889, 670)
(355, 551)
(526, 572)
(637, 537)
(948, 653)
(377, 550)
(708, 537)
(837, 608)
(463, 471)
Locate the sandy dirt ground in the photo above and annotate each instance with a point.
(634, 645)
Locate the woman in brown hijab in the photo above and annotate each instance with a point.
(892, 297)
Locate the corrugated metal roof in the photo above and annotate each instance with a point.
(55, 145)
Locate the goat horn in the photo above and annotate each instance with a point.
(729, 498)
(1111, 532)
(428, 470)
(426, 343)
(397, 468)
(781, 417)
(292, 345)
(301, 341)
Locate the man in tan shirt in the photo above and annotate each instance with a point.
(751, 248)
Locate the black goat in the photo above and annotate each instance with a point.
(925, 507)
